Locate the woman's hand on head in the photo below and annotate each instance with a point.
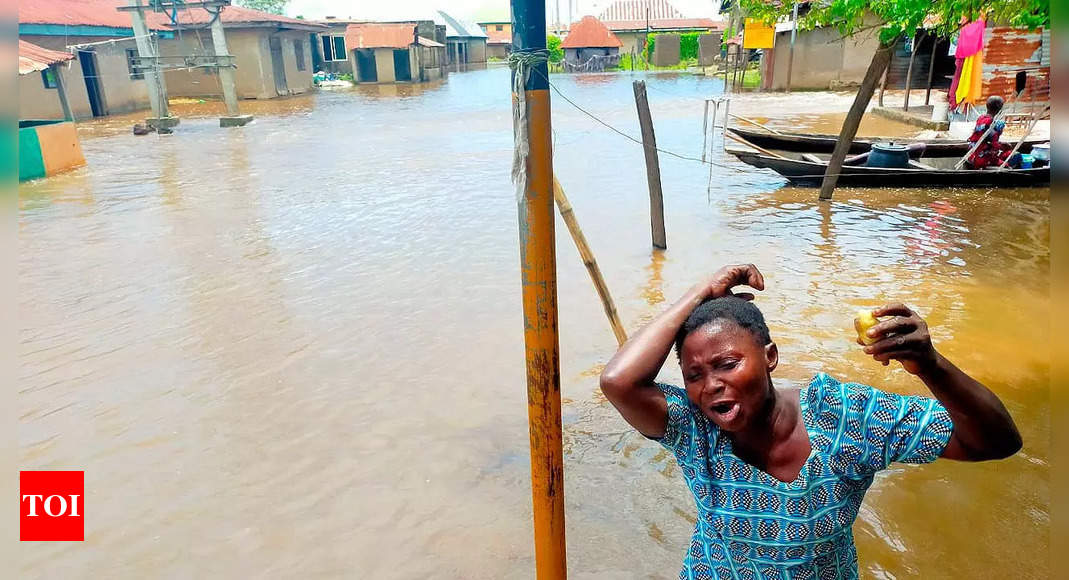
(903, 337)
(721, 282)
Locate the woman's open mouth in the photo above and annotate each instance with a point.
(726, 411)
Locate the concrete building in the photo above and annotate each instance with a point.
(329, 51)
(100, 79)
(589, 40)
(823, 59)
(498, 39)
(632, 20)
(465, 42)
(393, 53)
(273, 54)
(43, 78)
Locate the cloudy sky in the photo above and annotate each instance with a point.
(467, 9)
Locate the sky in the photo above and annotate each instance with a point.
(473, 10)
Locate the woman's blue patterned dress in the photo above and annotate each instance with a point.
(754, 526)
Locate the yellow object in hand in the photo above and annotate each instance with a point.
(864, 321)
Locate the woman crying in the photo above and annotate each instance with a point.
(778, 475)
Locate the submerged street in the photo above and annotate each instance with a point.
(306, 333)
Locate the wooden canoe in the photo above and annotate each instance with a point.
(810, 172)
(817, 143)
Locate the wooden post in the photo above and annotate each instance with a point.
(931, 72)
(883, 86)
(909, 71)
(538, 272)
(705, 129)
(878, 66)
(61, 90)
(653, 166)
(568, 215)
(794, 34)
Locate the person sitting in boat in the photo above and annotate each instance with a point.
(778, 475)
(992, 152)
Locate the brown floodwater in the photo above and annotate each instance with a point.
(295, 349)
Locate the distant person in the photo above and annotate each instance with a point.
(992, 152)
(778, 475)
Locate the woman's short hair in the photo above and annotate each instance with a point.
(739, 311)
(994, 104)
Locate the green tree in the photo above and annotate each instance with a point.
(897, 19)
(556, 53)
(272, 6)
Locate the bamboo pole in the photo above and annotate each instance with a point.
(733, 137)
(568, 215)
(1031, 127)
(538, 270)
(752, 122)
(931, 71)
(909, 71)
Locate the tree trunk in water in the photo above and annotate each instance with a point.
(879, 63)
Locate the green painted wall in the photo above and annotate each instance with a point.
(31, 162)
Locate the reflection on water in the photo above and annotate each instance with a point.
(305, 335)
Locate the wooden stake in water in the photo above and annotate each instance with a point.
(653, 166)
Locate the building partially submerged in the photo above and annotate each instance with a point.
(465, 42)
(273, 53)
(590, 45)
(498, 38)
(393, 52)
(632, 20)
(101, 78)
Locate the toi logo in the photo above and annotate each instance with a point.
(52, 506)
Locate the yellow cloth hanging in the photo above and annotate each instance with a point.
(965, 80)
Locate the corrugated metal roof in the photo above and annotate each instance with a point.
(237, 15)
(639, 10)
(106, 13)
(666, 24)
(35, 58)
(590, 33)
(83, 13)
(380, 35)
(1009, 51)
(457, 28)
(422, 41)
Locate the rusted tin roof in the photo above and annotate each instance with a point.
(106, 13)
(1009, 51)
(662, 24)
(639, 10)
(84, 13)
(590, 33)
(380, 35)
(34, 58)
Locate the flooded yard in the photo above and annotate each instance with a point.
(295, 349)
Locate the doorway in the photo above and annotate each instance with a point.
(91, 73)
(401, 69)
(365, 66)
(279, 66)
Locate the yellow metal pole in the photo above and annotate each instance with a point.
(538, 267)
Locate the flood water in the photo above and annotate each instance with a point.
(294, 350)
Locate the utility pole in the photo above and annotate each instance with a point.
(157, 88)
(538, 271)
(790, 55)
(153, 65)
(233, 117)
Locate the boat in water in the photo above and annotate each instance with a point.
(822, 143)
(926, 170)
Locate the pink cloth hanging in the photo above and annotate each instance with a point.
(952, 96)
(970, 39)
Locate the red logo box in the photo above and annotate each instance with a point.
(52, 506)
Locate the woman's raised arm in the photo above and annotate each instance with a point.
(628, 378)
